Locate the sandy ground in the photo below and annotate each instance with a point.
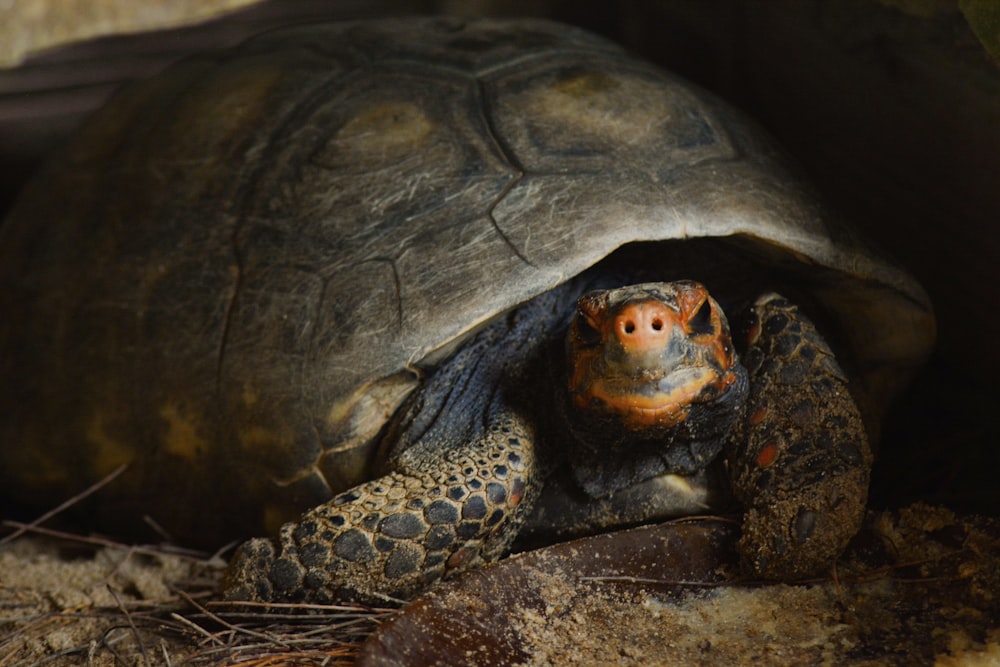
(926, 591)
(64, 602)
(919, 587)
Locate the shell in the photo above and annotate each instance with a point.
(255, 255)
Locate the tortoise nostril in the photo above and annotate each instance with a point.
(629, 327)
(657, 324)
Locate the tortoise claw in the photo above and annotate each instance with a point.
(247, 578)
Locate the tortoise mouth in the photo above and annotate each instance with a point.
(665, 402)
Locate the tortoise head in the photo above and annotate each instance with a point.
(653, 383)
(648, 355)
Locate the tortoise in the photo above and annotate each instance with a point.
(441, 285)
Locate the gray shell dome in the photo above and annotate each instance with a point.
(241, 267)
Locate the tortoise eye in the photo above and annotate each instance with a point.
(586, 333)
(701, 321)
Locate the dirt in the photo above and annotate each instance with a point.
(71, 605)
(939, 606)
(921, 586)
(776, 625)
(723, 627)
(66, 602)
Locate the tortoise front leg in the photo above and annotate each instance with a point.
(463, 473)
(395, 535)
(801, 464)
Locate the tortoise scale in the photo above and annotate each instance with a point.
(440, 285)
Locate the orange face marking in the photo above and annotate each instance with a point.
(713, 335)
(723, 351)
(638, 411)
(690, 301)
(757, 417)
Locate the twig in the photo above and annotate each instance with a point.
(301, 606)
(166, 653)
(188, 554)
(668, 582)
(165, 536)
(131, 624)
(197, 628)
(90, 490)
(702, 518)
(835, 577)
(59, 654)
(235, 628)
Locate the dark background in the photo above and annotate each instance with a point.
(893, 113)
